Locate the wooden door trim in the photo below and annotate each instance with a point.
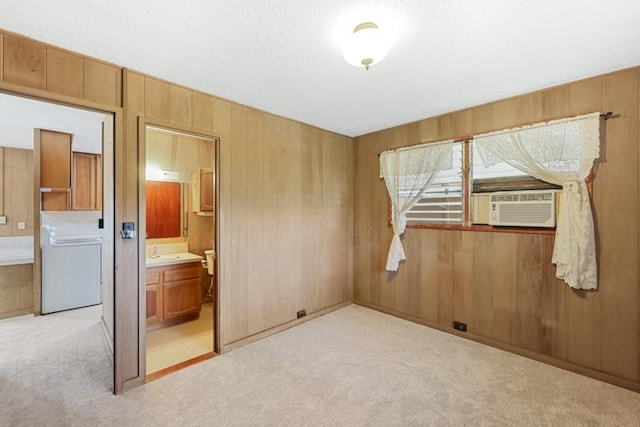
(143, 123)
(118, 141)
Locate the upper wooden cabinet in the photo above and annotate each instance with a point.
(86, 189)
(203, 195)
(68, 180)
(55, 169)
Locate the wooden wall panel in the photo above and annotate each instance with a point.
(585, 308)
(619, 171)
(337, 226)
(202, 112)
(260, 236)
(157, 100)
(64, 73)
(503, 285)
(238, 288)
(181, 108)
(17, 183)
(288, 223)
(24, 62)
(315, 260)
(135, 93)
(102, 82)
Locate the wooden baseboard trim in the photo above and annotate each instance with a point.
(16, 313)
(562, 364)
(171, 369)
(260, 335)
(107, 335)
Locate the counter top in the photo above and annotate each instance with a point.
(170, 259)
(16, 255)
(16, 250)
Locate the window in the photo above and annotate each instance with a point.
(459, 197)
(443, 201)
(501, 177)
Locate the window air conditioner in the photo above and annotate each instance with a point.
(523, 208)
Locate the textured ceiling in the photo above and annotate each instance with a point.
(283, 56)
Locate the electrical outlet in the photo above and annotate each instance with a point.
(22, 225)
(459, 326)
(301, 314)
(3, 220)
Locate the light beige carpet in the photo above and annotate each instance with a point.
(353, 367)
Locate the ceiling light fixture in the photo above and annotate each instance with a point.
(366, 46)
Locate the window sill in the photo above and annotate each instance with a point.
(486, 228)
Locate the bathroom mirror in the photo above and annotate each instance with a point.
(164, 209)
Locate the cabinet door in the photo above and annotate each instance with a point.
(206, 190)
(86, 191)
(154, 303)
(55, 169)
(83, 194)
(181, 298)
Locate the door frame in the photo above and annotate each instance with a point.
(143, 123)
(118, 199)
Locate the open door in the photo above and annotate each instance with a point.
(108, 224)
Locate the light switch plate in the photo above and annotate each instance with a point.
(22, 225)
(3, 220)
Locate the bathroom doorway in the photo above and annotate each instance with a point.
(178, 248)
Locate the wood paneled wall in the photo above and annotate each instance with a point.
(16, 182)
(28, 63)
(503, 285)
(16, 290)
(286, 212)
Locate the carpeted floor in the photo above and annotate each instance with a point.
(352, 367)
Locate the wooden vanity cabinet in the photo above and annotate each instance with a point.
(173, 294)
(154, 296)
(203, 200)
(206, 190)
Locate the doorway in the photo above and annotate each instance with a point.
(178, 197)
(90, 136)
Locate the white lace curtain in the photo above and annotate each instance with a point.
(408, 172)
(562, 153)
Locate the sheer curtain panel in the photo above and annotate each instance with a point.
(407, 173)
(560, 152)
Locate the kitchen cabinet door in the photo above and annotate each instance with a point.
(87, 182)
(55, 169)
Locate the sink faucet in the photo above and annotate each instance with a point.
(154, 252)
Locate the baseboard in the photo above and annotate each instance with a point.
(16, 313)
(107, 335)
(260, 335)
(562, 364)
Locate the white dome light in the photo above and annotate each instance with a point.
(366, 46)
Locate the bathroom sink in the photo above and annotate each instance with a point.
(163, 258)
(172, 258)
